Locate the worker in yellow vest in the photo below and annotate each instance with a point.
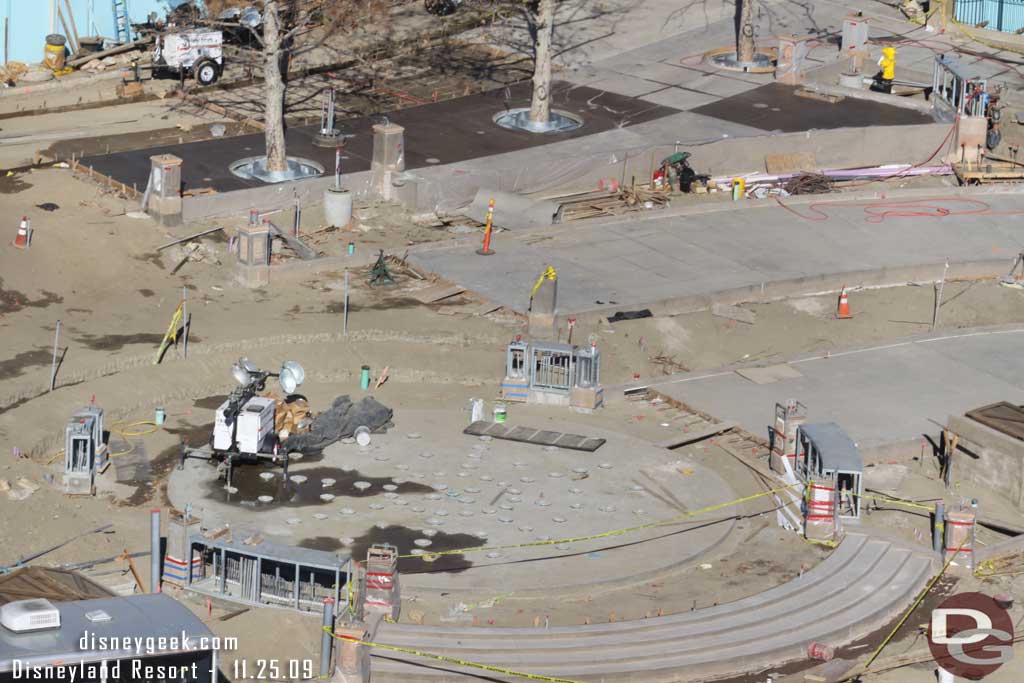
(887, 72)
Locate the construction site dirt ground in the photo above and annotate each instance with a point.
(113, 316)
(98, 270)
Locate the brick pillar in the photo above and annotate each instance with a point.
(164, 191)
(254, 255)
(353, 659)
(542, 314)
(970, 139)
(388, 159)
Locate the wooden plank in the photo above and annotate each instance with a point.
(698, 435)
(733, 313)
(777, 164)
(437, 292)
(769, 374)
(486, 307)
(534, 436)
(116, 50)
(1003, 417)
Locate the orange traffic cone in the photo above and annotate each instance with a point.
(22, 240)
(843, 311)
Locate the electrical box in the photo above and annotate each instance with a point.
(84, 451)
(255, 424)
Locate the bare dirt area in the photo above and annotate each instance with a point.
(84, 310)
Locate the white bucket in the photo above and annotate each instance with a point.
(499, 413)
(337, 207)
(362, 436)
(944, 676)
(476, 410)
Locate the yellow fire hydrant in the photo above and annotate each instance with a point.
(887, 73)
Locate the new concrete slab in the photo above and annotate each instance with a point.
(879, 395)
(426, 486)
(635, 262)
(441, 132)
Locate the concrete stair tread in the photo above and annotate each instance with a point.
(842, 557)
(833, 607)
(741, 616)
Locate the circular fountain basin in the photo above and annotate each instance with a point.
(255, 168)
(519, 119)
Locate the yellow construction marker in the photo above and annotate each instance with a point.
(172, 332)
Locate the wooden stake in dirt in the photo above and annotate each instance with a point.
(938, 295)
(184, 317)
(53, 365)
(344, 319)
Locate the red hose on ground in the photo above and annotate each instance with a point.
(929, 207)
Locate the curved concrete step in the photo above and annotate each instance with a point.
(858, 588)
(840, 559)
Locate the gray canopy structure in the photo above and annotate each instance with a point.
(825, 452)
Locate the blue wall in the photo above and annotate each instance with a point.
(1001, 15)
(28, 22)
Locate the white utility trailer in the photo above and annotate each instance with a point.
(196, 53)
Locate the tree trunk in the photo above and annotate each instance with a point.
(745, 33)
(273, 89)
(540, 106)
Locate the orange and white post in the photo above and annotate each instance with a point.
(24, 238)
(843, 309)
(486, 250)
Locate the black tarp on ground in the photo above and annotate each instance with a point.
(340, 421)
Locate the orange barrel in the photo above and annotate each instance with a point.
(821, 651)
(820, 520)
(960, 536)
(53, 53)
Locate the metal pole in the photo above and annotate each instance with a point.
(344, 320)
(53, 365)
(938, 297)
(326, 638)
(937, 527)
(337, 168)
(154, 550)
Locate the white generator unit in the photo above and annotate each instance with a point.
(199, 53)
(255, 422)
(23, 616)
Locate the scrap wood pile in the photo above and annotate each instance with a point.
(809, 183)
(12, 71)
(604, 203)
(291, 414)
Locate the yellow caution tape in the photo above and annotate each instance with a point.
(451, 660)
(607, 534)
(903, 620)
(905, 503)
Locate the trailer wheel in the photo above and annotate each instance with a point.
(206, 72)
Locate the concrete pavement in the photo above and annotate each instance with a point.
(677, 262)
(880, 395)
